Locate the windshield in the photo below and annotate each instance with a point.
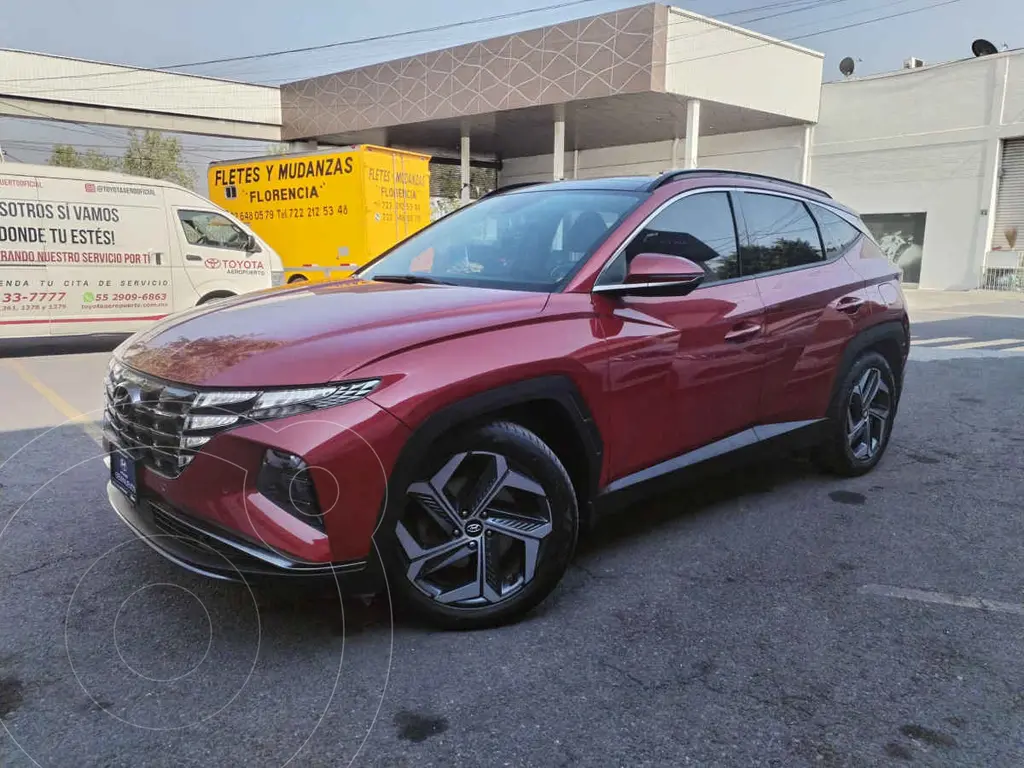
(531, 240)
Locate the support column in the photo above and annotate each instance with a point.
(675, 154)
(692, 133)
(575, 163)
(558, 170)
(805, 162)
(464, 166)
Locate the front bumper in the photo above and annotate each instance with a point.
(208, 550)
(213, 519)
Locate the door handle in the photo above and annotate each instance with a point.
(849, 304)
(193, 257)
(743, 332)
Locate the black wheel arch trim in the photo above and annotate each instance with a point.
(894, 330)
(221, 294)
(559, 389)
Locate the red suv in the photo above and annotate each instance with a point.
(445, 423)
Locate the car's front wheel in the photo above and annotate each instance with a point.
(861, 417)
(485, 531)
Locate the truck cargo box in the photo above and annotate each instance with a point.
(330, 211)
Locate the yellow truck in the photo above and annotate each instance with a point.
(327, 212)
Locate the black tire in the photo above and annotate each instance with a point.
(297, 279)
(526, 456)
(839, 454)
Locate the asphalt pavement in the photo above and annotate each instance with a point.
(774, 617)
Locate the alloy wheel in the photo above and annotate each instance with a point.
(867, 415)
(472, 533)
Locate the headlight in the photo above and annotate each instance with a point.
(214, 411)
(211, 410)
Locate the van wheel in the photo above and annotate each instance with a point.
(215, 296)
(298, 279)
(484, 532)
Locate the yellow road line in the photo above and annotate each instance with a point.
(58, 402)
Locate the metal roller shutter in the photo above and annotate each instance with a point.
(1010, 196)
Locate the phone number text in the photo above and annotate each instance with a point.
(18, 298)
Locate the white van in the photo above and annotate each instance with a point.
(93, 252)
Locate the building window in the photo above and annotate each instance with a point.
(901, 237)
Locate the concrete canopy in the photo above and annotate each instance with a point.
(617, 78)
(45, 87)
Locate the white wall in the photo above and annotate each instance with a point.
(708, 59)
(39, 85)
(924, 140)
(776, 152)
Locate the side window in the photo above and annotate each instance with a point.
(697, 227)
(213, 230)
(780, 234)
(837, 233)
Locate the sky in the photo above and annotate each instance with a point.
(169, 33)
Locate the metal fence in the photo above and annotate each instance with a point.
(446, 180)
(446, 186)
(1003, 271)
(1002, 279)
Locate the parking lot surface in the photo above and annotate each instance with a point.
(774, 617)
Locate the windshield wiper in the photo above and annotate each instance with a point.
(425, 279)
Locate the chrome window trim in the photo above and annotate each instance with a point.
(619, 287)
(847, 217)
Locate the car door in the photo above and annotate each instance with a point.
(684, 371)
(216, 255)
(814, 301)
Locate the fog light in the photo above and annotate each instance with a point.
(285, 479)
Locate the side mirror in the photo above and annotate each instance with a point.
(657, 274)
(251, 246)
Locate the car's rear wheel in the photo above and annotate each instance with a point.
(485, 531)
(861, 417)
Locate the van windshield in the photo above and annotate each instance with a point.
(533, 240)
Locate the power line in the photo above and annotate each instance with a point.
(310, 48)
(687, 60)
(805, 5)
(851, 25)
(818, 4)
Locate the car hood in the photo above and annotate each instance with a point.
(316, 333)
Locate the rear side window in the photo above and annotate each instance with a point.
(697, 227)
(780, 234)
(836, 233)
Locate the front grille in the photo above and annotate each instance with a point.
(156, 421)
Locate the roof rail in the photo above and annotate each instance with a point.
(510, 187)
(679, 175)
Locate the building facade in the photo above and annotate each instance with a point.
(932, 157)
